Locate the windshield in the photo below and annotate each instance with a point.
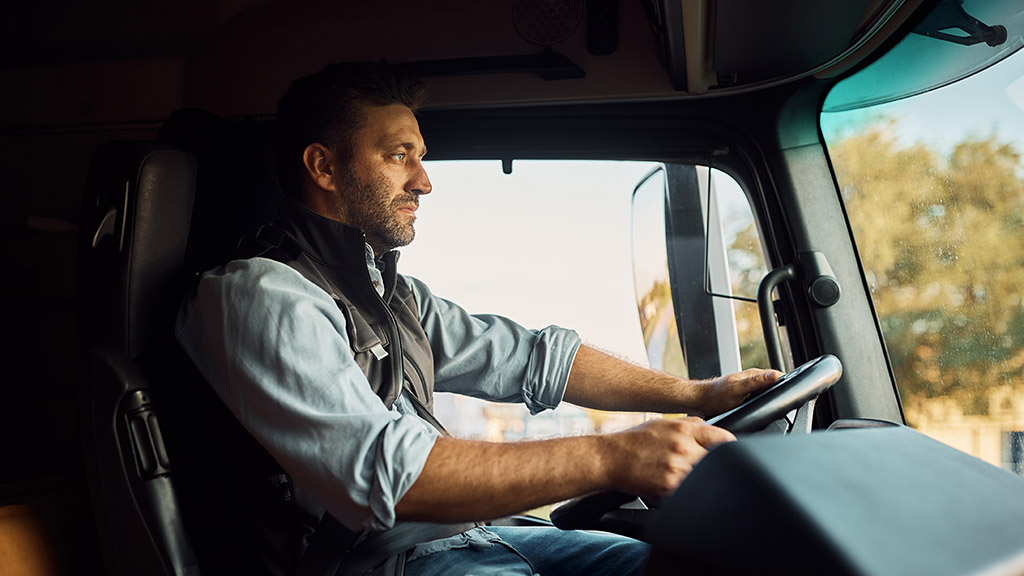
(934, 189)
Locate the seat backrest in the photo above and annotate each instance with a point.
(138, 208)
(236, 186)
(156, 213)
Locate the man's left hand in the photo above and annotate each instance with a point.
(726, 392)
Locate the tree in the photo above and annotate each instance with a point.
(941, 242)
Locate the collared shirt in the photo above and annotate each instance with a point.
(375, 276)
(275, 349)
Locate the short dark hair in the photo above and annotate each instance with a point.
(328, 107)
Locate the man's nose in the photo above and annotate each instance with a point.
(419, 183)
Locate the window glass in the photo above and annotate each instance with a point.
(746, 265)
(547, 244)
(934, 188)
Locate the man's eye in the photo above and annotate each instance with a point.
(400, 156)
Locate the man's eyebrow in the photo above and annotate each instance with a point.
(409, 146)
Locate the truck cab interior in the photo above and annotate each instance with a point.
(834, 189)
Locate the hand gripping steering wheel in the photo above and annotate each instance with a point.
(793, 389)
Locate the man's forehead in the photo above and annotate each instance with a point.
(406, 136)
(394, 124)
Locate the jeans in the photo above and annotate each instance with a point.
(529, 550)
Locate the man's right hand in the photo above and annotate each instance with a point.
(653, 458)
(472, 480)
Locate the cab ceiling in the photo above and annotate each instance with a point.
(238, 56)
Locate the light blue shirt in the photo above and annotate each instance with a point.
(274, 348)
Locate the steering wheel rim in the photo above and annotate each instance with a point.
(793, 389)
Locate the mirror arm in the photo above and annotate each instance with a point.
(765, 306)
(950, 14)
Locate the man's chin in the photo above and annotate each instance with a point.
(392, 241)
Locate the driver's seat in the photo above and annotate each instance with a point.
(144, 225)
(138, 208)
(143, 405)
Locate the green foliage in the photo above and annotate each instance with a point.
(941, 242)
(658, 313)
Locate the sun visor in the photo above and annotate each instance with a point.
(953, 42)
(757, 40)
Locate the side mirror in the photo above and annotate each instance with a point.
(696, 250)
(654, 294)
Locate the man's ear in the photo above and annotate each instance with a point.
(321, 164)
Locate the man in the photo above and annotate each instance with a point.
(329, 359)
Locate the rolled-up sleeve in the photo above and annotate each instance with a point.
(492, 357)
(275, 349)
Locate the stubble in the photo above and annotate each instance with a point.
(370, 207)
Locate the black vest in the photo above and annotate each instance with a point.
(272, 520)
(387, 341)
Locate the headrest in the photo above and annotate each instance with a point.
(138, 205)
(236, 189)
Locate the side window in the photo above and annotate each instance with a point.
(744, 265)
(547, 244)
(565, 242)
(698, 260)
(934, 188)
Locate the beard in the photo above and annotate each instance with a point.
(369, 206)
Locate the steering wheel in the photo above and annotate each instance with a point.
(791, 391)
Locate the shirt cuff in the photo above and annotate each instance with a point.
(548, 372)
(402, 451)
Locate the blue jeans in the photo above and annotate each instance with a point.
(529, 550)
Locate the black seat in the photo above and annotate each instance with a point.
(139, 199)
(236, 186)
(156, 213)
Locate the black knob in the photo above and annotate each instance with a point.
(824, 291)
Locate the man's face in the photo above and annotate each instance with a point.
(379, 191)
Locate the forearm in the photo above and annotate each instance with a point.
(465, 480)
(598, 380)
(604, 382)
